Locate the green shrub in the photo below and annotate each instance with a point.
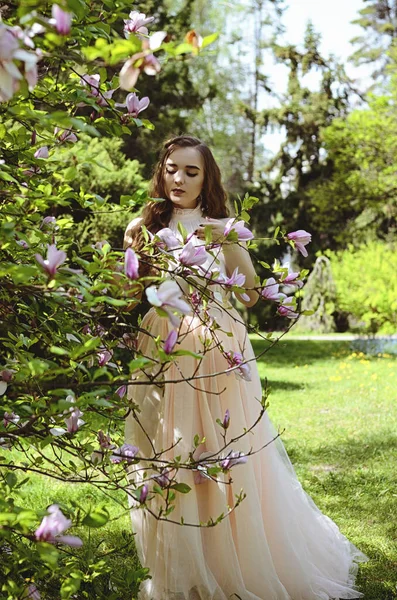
(366, 285)
(98, 165)
(109, 224)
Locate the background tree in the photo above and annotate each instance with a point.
(379, 20)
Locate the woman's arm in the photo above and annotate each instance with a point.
(238, 256)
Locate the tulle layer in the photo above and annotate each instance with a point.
(276, 545)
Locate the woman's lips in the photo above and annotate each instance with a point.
(178, 192)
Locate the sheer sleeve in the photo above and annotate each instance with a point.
(129, 229)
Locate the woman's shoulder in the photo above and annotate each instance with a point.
(134, 223)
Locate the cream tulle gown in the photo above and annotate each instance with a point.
(276, 545)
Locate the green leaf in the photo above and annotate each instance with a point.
(187, 353)
(184, 488)
(11, 479)
(209, 39)
(48, 553)
(96, 518)
(148, 124)
(7, 177)
(22, 273)
(59, 351)
(71, 585)
(183, 48)
(138, 363)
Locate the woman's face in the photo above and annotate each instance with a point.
(184, 177)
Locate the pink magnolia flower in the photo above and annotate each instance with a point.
(129, 341)
(168, 296)
(236, 278)
(62, 20)
(121, 391)
(73, 423)
(143, 494)
(232, 459)
(127, 452)
(48, 222)
(66, 136)
(6, 375)
(42, 152)
(192, 255)
(32, 592)
(197, 300)
(99, 245)
(31, 60)
(287, 309)
(134, 105)
(54, 259)
(53, 525)
(93, 83)
(292, 279)
(270, 290)
(104, 357)
(243, 233)
(11, 51)
(301, 239)
(9, 72)
(131, 264)
(10, 418)
(226, 420)
(170, 342)
(137, 23)
(130, 71)
(5, 378)
(168, 239)
(162, 478)
(201, 470)
(236, 359)
(104, 441)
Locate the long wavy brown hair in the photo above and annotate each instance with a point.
(157, 215)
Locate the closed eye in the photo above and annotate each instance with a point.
(188, 174)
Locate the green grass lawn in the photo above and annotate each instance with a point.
(338, 409)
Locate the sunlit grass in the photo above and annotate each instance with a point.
(338, 408)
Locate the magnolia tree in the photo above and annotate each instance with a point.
(68, 330)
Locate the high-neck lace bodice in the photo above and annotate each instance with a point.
(189, 217)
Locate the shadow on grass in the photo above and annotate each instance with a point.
(352, 452)
(377, 578)
(296, 352)
(283, 385)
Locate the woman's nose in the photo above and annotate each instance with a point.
(179, 177)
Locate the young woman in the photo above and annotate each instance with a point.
(276, 545)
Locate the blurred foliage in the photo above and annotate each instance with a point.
(378, 18)
(358, 199)
(366, 285)
(108, 224)
(101, 167)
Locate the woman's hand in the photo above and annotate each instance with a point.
(217, 228)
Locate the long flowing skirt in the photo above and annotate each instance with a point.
(276, 545)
